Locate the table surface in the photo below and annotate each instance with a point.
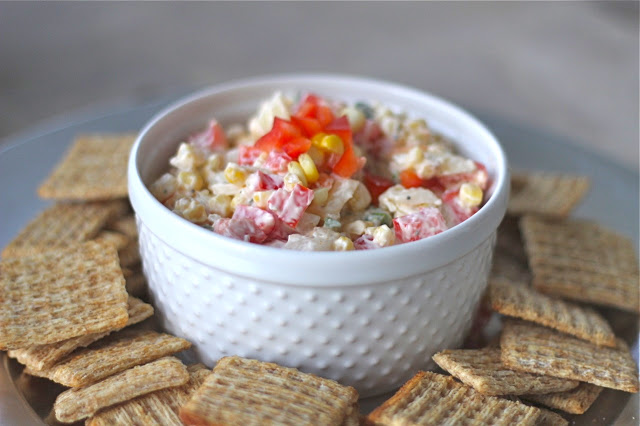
(567, 67)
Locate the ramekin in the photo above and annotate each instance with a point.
(369, 319)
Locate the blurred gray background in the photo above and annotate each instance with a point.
(568, 67)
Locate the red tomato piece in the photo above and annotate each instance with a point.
(479, 177)
(308, 106)
(310, 126)
(247, 155)
(281, 231)
(290, 206)
(281, 132)
(376, 185)
(409, 179)
(365, 242)
(348, 164)
(212, 138)
(247, 224)
(424, 223)
(458, 213)
(296, 146)
(260, 181)
(324, 115)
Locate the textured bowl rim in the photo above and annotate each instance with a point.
(326, 269)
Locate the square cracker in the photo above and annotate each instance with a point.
(581, 260)
(44, 356)
(114, 354)
(549, 418)
(534, 349)
(524, 302)
(77, 404)
(575, 401)
(483, 370)
(57, 295)
(125, 225)
(159, 408)
(62, 224)
(546, 193)
(430, 398)
(94, 168)
(244, 391)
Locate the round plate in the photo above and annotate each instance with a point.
(25, 161)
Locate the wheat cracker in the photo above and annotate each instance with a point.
(116, 239)
(60, 294)
(79, 403)
(158, 408)
(526, 303)
(433, 399)
(94, 168)
(546, 193)
(250, 392)
(60, 225)
(125, 225)
(575, 401)
(44, 356)
(483, 370)
(583, 261)
(118, 352)
(535, 349)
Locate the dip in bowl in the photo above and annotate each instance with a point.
(366, 318)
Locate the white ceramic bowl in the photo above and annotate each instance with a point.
(369, 319)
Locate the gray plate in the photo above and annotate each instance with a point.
(25, 161)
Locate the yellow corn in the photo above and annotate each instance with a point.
(470, 194)
(309, 168)
(343, 244)
(315, 140)
(260, 198)
(235, 174)
(295, 168)
(191, 210)
(190, 180)
(320, 196)
(332, 143)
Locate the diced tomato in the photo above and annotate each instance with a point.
(348, 164)
(296, 146)
(324, 115)
(479, 177)
(260, 181)
(434, 185)
(308, 106)
(424, 223)
(281, 231)
(212, 138)
(409, 179)
(247, 155)
(310, 126)
(376, 185)
(365, 242)
(276, 161)
(247, 224)
(290, 206)
(281, 132)
(458, 212)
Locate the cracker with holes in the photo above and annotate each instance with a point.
(159, 408)
(574, 401)
(56, 295)
(534, 349)
(42, 357)
(287, 396)
(581, 260)
(526, 303)
(79, 403)
(114, 354)
(483, 370)
(548, 194)
(430, 398)
(94, 168)
(62, 224)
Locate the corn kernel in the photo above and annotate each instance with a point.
(316, 154)
(343, 243)
(356, 228)
(214, 162)
(295, 168)
(332, 143)
(243, 197)
(164, 187)
(291, 180)
(414, 156)
(320, 196)
(470, 194)
(191, 210)
(187, 158)
(260, 198)
(220, 204)
(309, 168)
(235, 174)
(317, 138)
(356, 118)
(382, 235)
(190, 180)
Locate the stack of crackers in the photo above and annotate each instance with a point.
(69, 308)
(554, 350)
